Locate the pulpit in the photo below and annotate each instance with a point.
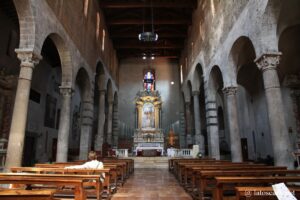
(148, 136)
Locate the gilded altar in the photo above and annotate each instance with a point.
(148, 135)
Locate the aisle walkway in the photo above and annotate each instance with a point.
(151, 184)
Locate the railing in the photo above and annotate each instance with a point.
(121, 152)
(179, 152)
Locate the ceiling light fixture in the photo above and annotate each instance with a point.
(147, 36)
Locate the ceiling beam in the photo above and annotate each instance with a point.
(148, 46)
(138, 4)
(155, 22)
(135, 35)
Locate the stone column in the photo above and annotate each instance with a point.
(86, 129)
(189, 139)
(101, 121)
(115, 125)
(139, 115)
(268, 63)
(156, 116)
(212, 130)
(64, 125)
(18, 125)
(232, 116)
(109, 122)
(199, 139)
(182, 128)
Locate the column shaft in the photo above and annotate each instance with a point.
(101, 121)
(109, 123)
(64, 125)
(279, 131)
(232, 116)
(19, 118)
(189, 139)
(212, 130)
(86, 129)
(199, 139)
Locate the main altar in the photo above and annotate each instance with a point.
(148, 138)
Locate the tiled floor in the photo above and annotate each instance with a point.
(151, 184)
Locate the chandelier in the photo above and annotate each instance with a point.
(147, 36)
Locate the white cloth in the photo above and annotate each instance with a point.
(94, 164)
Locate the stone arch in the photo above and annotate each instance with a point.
(197, 77)
(10, 37)
(65, 58)
(250, 100)
(215, 81)
(100, 76)
(289, 16)
(288, 70)
(83, 81)
(109, 90)
(27, 24)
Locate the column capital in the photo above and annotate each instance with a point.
(28, 57)
(268, 61)
(187, 103)
(66, 91)
(230, 90)
(196, 93)
(102, 91)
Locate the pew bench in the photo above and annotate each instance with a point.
(59, 180)
(228, 183)
(261, 193)
(11, 194)
(207, 182)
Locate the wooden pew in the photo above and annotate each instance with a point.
(222, 183)
(76, 181)
(98, 172)
(185, 170)
(261, 193)
(115, 170)
(10, 194)
(207, 181)
(195, 174)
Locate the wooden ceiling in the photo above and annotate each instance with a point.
(125, 19)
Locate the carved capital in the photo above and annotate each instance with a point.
(230, 90)
(268, 61)
(28, 57)
(66, 91)
(102, 92)
(195, 93)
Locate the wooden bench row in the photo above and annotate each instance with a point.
(211, 178)
(55, 176)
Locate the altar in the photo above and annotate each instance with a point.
(148, 136)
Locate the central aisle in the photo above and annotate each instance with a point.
(151, 184)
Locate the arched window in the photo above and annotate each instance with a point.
(149, 80)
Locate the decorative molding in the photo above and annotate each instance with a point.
(230, 90)
(28, 57)
(66, 91)
(195, 93)
(268, 61)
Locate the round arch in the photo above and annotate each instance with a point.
(27, 24)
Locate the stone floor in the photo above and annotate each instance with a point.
(151, 184)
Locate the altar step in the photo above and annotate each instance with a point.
(151, 162)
